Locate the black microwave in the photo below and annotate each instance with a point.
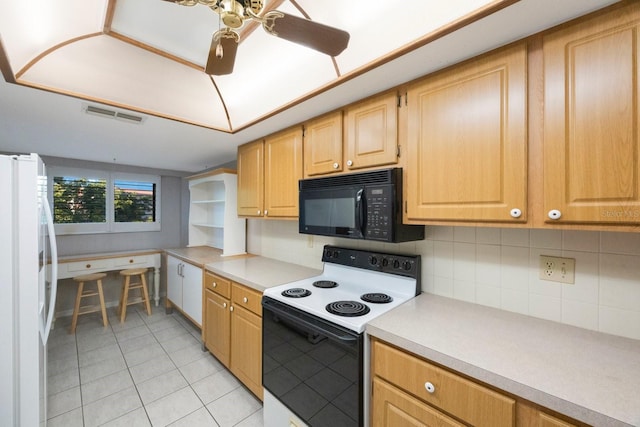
(366, 205)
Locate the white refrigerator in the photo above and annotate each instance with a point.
(27, 296)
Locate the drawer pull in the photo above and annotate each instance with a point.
(224, 305)
(555, 214)
(88, 265)
(429, 387)
(245, 300)
(214, 284)
(130, 261)
(231, 308)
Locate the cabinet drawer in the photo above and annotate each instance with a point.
(464, 399)
(218, 284)
(88, 266)
(247, 298)
(130, 261)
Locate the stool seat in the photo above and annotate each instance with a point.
(128, 285)
(90, 277)
(84, 293)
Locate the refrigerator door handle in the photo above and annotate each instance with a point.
(54, 270)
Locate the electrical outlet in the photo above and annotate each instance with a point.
(556, 269)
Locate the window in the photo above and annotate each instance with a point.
(87, 201)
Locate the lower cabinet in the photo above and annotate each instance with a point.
(410, 391)
(233, 328)
(184, 288)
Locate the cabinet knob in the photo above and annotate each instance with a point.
(349, 163)
(554, 214)
(429, 387)
(266, 212)
(258, 211)
(130, 261)
(245, 300)
(231, 308)
(515, 213)
(88, 266)
(214, 284)
(224, 305)
(336, 165)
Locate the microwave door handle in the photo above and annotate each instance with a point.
(360, 210)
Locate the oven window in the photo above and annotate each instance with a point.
(317, 376)
(335, 213)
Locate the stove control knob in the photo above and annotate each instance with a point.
(407, 265)
(373, 260)
(396, 263)
(385, 262)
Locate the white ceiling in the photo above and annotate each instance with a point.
(192, 121)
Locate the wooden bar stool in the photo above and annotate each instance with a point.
(128, 285)
(82, 293)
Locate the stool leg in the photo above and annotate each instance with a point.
(76, 308)
(103, 308)
(145, 291)
(125, 299)
(121, 302)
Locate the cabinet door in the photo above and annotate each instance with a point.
(217, 336)
(192, 292)
(591, 115)
(282, 170)
(392, 407)
(246, 348)
(174, 281)
(372, 132)
(467, 141)
(323, 145)
(251, 179)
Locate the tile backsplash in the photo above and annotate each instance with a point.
(499, 268)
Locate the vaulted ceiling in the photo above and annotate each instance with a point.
(146, 58)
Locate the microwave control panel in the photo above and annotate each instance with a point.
(380, 205)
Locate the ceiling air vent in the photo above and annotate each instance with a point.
(112, 114)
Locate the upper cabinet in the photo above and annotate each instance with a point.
(364, 136)
(467, 141)
(251, 179)
(591, 112)
(213, 220)
(323, 145)
(371, 132)
(268, 174)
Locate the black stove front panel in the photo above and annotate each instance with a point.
(312, 366)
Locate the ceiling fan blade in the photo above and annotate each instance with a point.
(221, 66)
(325, 39)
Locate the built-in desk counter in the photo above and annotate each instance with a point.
(76, 265)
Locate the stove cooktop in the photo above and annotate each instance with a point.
(363, 284)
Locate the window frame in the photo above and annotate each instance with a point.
(110, 225)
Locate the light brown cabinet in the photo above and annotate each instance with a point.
(591, 115)
(268, 174)
(467, 141)
(323, 145)
(371, 132)
(364, 136)
(251, 179)
(233, 329)
(439, 394)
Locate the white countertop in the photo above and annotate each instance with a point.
(590, 376)
(260, 273)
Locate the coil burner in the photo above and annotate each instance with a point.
(296, 293)
(347, 308)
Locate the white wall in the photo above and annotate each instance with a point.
(499, 268)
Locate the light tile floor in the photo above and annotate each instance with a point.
(148, 371)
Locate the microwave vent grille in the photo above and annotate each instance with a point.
(385, 176)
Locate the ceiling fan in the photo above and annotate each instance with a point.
(234, 13)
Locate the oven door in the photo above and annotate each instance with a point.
(337, 211)
(312, 366)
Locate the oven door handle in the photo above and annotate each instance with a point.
(314, 328)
